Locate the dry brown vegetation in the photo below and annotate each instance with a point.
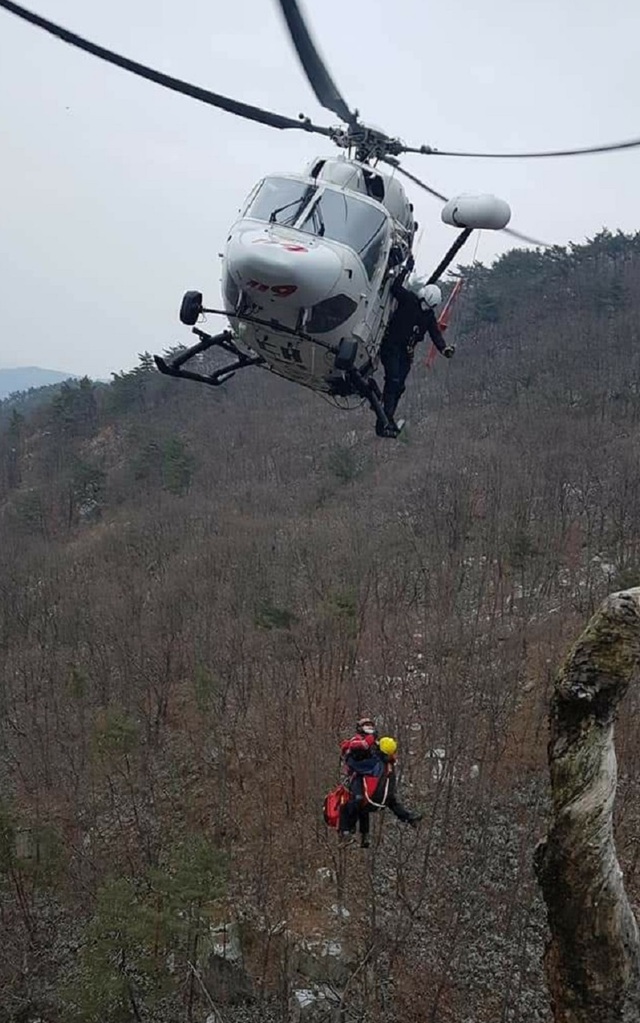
(199, 592)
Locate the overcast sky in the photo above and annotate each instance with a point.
(117, 195)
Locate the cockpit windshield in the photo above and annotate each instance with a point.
(351, 221)
(342, 218)
(280, 200)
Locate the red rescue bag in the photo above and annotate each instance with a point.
(332, 803)
(375, 791)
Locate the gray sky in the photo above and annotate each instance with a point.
(117, 195)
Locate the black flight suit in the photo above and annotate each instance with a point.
(407, 326)
(357, 810)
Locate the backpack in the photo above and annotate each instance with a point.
(332, 803)
(375, 791)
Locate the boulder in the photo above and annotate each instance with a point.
(224, 973)
(323, 961)
(315, 1005)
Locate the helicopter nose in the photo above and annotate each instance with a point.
(279, 265)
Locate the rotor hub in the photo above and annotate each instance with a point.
(370, 143)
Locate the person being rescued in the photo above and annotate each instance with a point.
(370, 781)
(413, 318)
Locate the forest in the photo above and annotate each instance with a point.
(201, 591)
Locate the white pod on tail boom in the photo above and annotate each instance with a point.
(484, 212)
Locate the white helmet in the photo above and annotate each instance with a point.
(429, 294)
(415, 284)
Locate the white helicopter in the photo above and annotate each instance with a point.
(307, 277)
(309, 267)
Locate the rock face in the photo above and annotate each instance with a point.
(322, 961)
(593, 958)
(225, 976)
(319, 967)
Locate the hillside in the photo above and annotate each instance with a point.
(24, 378)
(200, 591)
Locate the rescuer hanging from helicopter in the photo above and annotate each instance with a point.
(413, 317)
(370, 782)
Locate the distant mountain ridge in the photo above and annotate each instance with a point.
(22, 378)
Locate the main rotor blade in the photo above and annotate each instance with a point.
(443, 198)
(321, 81)
(213, 99)
(605, 147)
(427, 188)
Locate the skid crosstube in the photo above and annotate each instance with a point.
(173, 368)
(366, 387)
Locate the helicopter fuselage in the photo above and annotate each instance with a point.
(309, 279)
(313, 256)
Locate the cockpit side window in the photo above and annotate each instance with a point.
(375, 185)
(350, 221)
(371, 253)
(280, 200)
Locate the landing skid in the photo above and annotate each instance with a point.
(360, 383)
(224, 340)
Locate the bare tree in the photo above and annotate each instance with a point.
(593, 958)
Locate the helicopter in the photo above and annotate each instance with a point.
(307, 278)
(312, 267)
(309, 267)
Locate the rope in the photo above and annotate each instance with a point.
(475, 251)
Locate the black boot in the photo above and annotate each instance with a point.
(413, 819)
(388, 430)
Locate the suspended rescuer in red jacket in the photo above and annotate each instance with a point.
(371, 782)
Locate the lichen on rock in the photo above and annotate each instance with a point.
(593, 957)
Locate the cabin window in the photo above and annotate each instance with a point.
(330, 313)
(372, 252)
(280, 200)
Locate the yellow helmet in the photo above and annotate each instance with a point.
(388, 745)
